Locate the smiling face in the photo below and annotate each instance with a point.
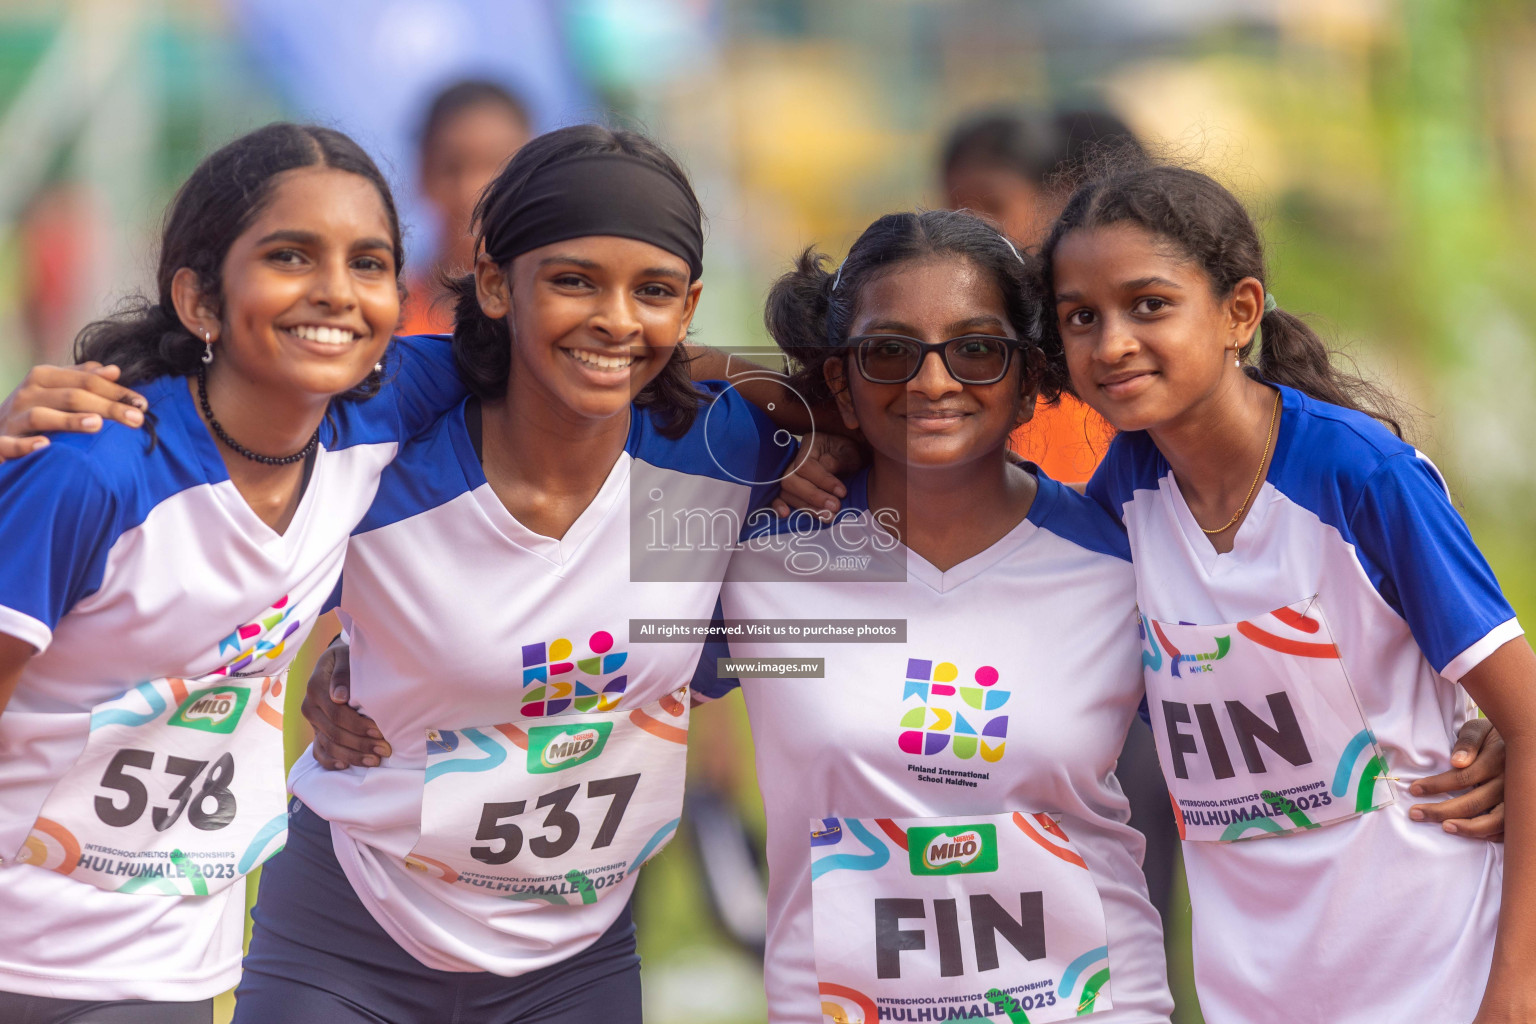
(309, 296)
(1146, 338)
(933, 421)
(593, 320)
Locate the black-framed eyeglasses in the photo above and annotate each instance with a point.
(970, 358)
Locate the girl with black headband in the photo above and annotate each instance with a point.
(533, 744)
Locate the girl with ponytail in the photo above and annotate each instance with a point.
(1316, 621)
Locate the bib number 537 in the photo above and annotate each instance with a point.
(505, 837)
(210, 808)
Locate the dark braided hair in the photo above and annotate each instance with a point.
(220, 199)
(482, 345)
(1208, 226)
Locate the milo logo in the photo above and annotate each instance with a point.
(952, 850)
(962, 849)
(553, 748)
(216, 709)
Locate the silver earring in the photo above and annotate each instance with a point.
(207, 348)
(378, 367)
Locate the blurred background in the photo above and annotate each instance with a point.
(1388, 148)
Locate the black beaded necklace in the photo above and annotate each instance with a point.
(236, 446)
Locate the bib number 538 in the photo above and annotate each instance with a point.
(212, 806)
(506, 837)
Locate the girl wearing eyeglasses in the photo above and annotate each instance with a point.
(945, 834)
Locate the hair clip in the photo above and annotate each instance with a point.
(1010, 247)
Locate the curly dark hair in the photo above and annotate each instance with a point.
(219, 200)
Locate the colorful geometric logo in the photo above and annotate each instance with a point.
(554, 682)
(262, 637)
(552, 748)
(216, 709)
(952, 850)
(938, 713)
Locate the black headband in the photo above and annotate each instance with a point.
(600, 194)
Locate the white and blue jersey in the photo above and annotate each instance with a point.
(138, 571)
(537, 740)
(1352, 570)
(998, 717)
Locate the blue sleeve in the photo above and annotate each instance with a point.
(707, 683)
(424, 380)
(745, 443)
(56, 518)
(1106, 486)
(334, 600)
(1131, 464)
(1101, 490)
(1421, 558)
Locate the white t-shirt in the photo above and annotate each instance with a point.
(1373, 918)
(123, 564)
(1044, 621)
(465, 623)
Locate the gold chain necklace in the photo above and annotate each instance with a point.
(1274, 417)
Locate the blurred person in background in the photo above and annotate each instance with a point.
(1017, 168)
(472, 128)
(62, 233)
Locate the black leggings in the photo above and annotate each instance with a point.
(317, 955)
(20, 1009)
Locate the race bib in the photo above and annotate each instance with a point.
(1258, 730)
(562, 811)
(179, 790)
(924, 919)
